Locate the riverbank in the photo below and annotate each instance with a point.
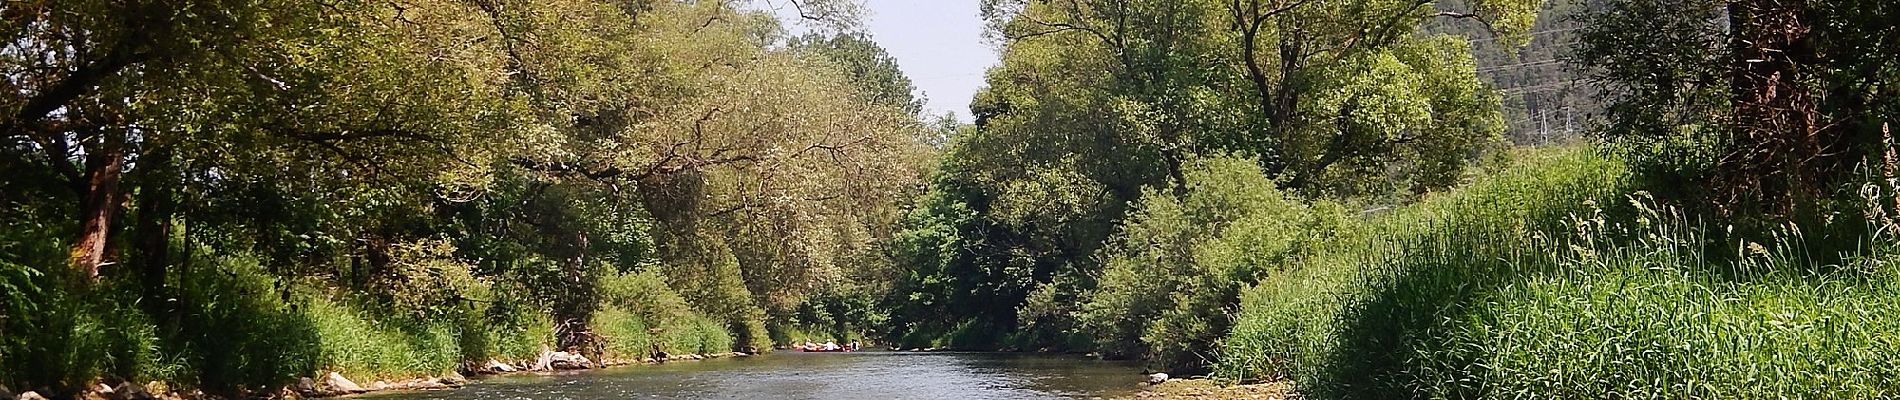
(1207, 389)
(868, 375)
(329, 384)
(549, 363)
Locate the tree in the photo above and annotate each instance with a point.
(872, 68)
(1097, 102)
(1761, 106)
(402, 157)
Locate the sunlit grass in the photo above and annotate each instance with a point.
(1552, 280)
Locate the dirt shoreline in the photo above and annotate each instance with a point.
(331, 384)
(1207, 389)
(609, 363)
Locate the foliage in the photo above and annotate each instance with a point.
(1547, 281)
(396, 188)
(873, 69)
(1351, 320)
(640, 311)
(1173, 277)
(1089, 112)
(1746, 107)
(238, 330)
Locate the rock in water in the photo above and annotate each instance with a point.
(1157, 378)
(337, 383)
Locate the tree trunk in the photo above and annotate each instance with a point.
(156, 206)
(105, 164)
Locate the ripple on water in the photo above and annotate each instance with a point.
(844, 376)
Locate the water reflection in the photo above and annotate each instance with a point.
(784, 375)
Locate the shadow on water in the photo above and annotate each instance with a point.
(787, 375)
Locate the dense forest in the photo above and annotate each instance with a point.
(233, 194)
(1365, 198)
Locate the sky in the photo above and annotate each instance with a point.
(938, 43)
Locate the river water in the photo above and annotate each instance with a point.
(843, 376)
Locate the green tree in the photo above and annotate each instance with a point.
(1172, 276)
(1759, 106)
(868, 65)
(1098, 102)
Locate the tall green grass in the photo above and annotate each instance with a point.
(362, 347)
(639, 311)
(1346, 320)
(230, 325)
(1550, 281)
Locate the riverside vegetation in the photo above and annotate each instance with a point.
(228, 196)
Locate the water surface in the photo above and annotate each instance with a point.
(844, 376)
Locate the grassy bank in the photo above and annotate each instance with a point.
(234, 327)
(1556, 278)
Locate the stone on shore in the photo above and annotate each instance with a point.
(421, 384)
(497, 367)
(1157, 378)
(545, 361)
(31, 395)
(335, 382)
(129, 391)
(159, 388)
(1202, 389)
(561, 360)
(453, 379)
(305, 386)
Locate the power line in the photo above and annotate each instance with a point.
(1532, 34)
(1496, 68)
(1548, 87)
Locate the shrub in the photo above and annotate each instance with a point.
(58, 335)
(515, 325)
(638, 310)
(1173, 276)
(364, 347)
(236, 328)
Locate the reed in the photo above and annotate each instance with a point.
(1555, 279)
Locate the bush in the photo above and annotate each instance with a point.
(236, 328)
(1173, 276)
(364, 347)
(639, 310)
(516, 327)
(57, 334)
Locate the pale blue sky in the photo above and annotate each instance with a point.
(938, 43)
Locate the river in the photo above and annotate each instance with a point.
(843, 376)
